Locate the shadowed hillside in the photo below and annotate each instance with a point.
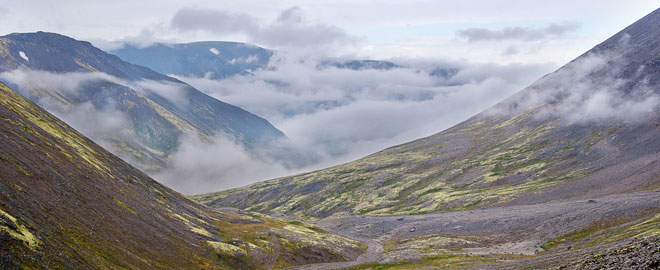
(66, 203)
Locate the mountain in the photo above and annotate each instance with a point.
(138, 113)
(212, 59)
(221, 59)
(66, 203)
(359, 64)
(588, 130)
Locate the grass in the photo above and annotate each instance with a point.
(433, 190)
(609, 231)
(441, 261)
(571, 237)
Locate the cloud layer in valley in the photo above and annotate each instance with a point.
(202, 166)
(342, 114)
(329, 114)
(333, 115)
(196, 166)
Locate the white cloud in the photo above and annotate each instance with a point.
(344, 114)
(200, 167)
(517, 33)
(290, 29)
(589, 89)
(100, 124)
(393, 28)
(172, 91)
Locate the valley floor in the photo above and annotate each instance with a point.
(528, 236)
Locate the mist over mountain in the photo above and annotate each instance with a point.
(568, 135)
(335, 109)
(565, 171)
(141, 115)
(211, 59)
(68, 203)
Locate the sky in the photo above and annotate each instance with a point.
(521, 31)
(498, 47)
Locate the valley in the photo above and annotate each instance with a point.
(539, 176)
(498, 235)
(98, 151)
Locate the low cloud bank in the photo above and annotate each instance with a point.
(335, 115)
(202, 166)
(341, 114)
(593, 88)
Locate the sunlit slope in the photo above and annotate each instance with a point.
(589, 129)
(66, 203)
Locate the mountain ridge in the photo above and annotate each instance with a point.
(161, 109)
(65, 202)
(213, 59)
(547, 142)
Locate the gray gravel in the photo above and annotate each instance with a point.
(514, 229)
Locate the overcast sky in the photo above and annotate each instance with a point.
(505, 31)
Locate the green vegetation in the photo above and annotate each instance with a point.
(498, 159)
(441, 261)
(608, 232)
(86, 208)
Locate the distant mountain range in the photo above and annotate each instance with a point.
(66, 203)
(587, 130)
(158, 109)
(360, 64)
(212, 59)
(219, 60)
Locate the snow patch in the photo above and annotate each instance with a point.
(214, 51)
(22, 54)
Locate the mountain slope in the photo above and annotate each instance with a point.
(589, 129)
(213, 59)
(65, 75)
(359, 64)
(67, 203)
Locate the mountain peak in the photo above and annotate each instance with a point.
(152, 102)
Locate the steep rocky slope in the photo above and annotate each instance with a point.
(589, 129)
(66, 203)
(70, 77)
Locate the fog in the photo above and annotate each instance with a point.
(329, 115)
(592, 88)
(343, 114)
(332, 115)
